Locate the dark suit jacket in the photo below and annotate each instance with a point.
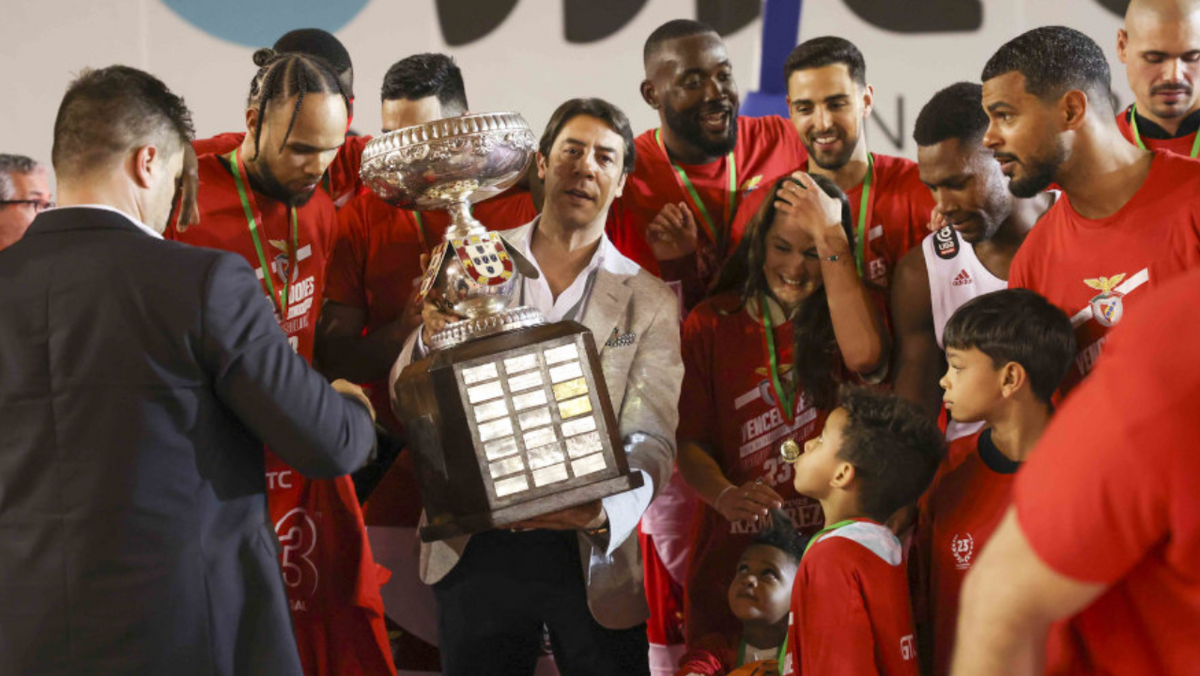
(139, 380)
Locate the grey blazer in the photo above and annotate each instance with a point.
(643, 377)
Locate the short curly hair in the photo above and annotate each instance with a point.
(895, 449)
(780, 532)
(1054, 60)
(955, 112)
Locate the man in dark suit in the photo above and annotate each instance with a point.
(139, 380)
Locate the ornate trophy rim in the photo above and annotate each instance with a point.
(486, 325)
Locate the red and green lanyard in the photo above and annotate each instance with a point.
(783, 399)
(865, 209)
(1137, 138)
(248, 205)
(741, 659)
(421, 231)
(685, 183)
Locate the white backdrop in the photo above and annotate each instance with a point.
(526, 64)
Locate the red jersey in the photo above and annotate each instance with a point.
(341, 180)
(898, 212)
(728, 406)
(767, 147)
(1109, 497)
(331, 578)
(960, 511)
(1093, 269)
(850, 607)
(377, 262)
(1154, 137)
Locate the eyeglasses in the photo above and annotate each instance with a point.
(38, 205)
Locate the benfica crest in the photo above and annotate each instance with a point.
(1106, 306)
(484, 259)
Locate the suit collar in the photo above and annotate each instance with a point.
(87, 217)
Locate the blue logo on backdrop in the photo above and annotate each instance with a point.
(259, 23)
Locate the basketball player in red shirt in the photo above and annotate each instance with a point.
(966, 258)
(850, 604)
(1105, 528)
(829, 101)
(696, 168)
(261, 201)
(1128, 218)
(1007, 350)
(1160, 47)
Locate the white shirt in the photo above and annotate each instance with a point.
(570, 304)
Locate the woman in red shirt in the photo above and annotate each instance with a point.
(788, 319)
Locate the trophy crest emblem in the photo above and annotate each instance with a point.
(484, 258)
(1106, 306)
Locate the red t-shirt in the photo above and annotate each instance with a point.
(728, 405)
(1110, 496)
(378, 257)
(342, 181)
(1181, 145)
(767, 147)
(331, 578)
(718, 655)
(958, 514)
(898, 214)
(1093, 268)
(850, 607)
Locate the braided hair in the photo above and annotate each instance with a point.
(282, 75)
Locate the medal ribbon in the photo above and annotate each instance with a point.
(1137, 138)
(421, 231)
(825, 530)
(685, 183)
(778, 657)
(865, 207)
(249, 207)
(786, 402)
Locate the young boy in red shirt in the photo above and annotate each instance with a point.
(760, 597)
(1007, 352)
(850, 604)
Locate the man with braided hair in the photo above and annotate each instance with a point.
(261, 201)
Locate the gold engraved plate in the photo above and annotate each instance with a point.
(529, 400)
(543, 456)
(539, 437)
(479, 374)
(522, 363)
(538, 417)
(525, 381)
(578, 426)
(495, 429)
(511, 485)
(571, 388)
(565, 372)
(506, 466)
(790, 450)
(549, 475)
(574, 407)
(588, 465)
(491, 410)
(501, 448)
(562, 353)
(584, 444)
(486, 392)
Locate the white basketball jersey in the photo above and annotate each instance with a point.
(955, 277)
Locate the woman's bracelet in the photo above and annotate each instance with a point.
(721, 495)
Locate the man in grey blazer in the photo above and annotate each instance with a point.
(139, 380)
(579, 571)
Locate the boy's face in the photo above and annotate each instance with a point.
(761, 591)
(972, 384)
(819, 463)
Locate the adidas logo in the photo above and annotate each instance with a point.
(962, 278)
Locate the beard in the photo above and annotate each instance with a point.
(267, 183)
(686, 123)
(1039, 171)
(1171, 111)
(836, 161)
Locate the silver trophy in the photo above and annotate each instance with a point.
(509, 417)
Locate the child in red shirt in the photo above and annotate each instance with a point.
(850, 603)
(760, 596)
(1007, 352)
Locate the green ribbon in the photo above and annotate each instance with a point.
(239, 170)
(686, 183)
(1137, 137)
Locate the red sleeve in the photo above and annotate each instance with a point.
(510, 209)
(920, 566)
(921, 205)
(750, 205)
(710, 656)
(697, 403)
(836, 638)
(347, 265)
(219, 144)
(1096, 495)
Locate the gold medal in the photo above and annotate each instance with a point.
(790, 450)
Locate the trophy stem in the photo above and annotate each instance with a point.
(462, 223)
